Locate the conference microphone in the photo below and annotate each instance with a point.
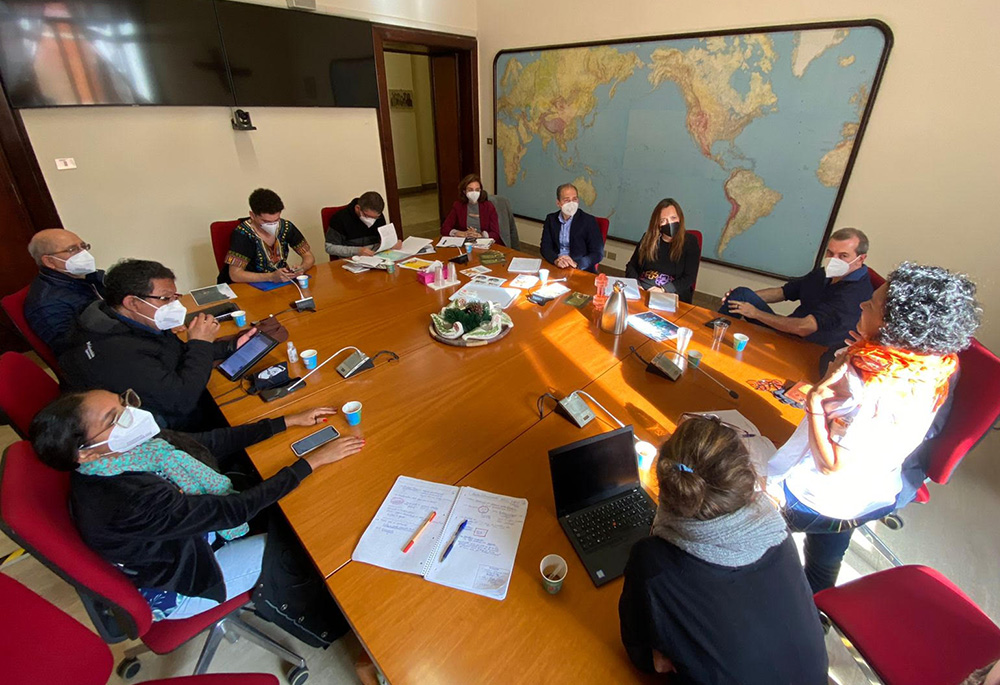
(732, 393)
(303, 304)
(272, 394)
(663, 365)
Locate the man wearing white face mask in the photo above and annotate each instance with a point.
(258, 248)
(126, 342)
(67, 282)
(354, 229)
(571, 238)
(829, 296)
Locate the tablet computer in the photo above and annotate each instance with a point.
(243, 359)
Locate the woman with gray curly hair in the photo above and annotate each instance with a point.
(842, 466)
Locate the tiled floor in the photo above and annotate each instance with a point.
(419, 214)
(953, 533)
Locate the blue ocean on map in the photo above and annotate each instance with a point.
(635, 149)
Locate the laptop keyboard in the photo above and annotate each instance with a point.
(612, 519)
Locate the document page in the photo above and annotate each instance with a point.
(451, 241)
(483, 556)
(404, 510)
(388, 237)
(413, 245)
(523, 265)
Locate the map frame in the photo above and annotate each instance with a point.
(876, 83)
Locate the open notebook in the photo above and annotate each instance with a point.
(483, 556)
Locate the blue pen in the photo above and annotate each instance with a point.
(451, 544)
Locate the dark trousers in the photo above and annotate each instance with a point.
(827, 539)
(742, 294)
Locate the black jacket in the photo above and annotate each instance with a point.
(170, 375)
(55, 300)
(684, 271)
(586, 246)
(750, 625)
(156, 533)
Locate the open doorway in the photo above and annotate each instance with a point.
(428, 122)
(411, 105)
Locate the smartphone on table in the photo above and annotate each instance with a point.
(307, 444)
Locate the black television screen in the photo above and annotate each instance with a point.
(112, 52)
(290, 58)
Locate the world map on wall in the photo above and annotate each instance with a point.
(751, 133)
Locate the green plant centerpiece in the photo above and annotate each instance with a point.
(470, 321)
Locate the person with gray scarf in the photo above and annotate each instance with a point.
(716, 594)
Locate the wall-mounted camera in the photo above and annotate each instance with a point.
(241, 120)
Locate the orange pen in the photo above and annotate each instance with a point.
(419, 531)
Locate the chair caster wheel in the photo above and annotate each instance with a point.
(128, 668)
(297, 675)
(892, 521)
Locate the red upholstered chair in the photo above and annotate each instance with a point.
(604, 225)
(24, 389)
(911, 625)
(875, 278)
(221, 232)
(325, 214)
(974, 410)
(31, 625)
(34, 512)
(13, 304)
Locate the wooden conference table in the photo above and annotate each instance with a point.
(468, 416)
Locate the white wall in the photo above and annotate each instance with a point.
(423, 104)
(924, 183)
(405, 144)
(452, 16)
(150, 180)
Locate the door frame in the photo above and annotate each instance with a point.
(465, 48)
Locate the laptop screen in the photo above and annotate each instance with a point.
(588, 471)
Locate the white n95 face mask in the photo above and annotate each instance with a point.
(168, 316)
(270, 226)
(368, 221)
(836, 268)
(80, 264)
(130, 431)
(569, 208)
(472, 195)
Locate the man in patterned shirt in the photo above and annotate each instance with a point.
(258, 248)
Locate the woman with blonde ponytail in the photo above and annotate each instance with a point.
(716, 594)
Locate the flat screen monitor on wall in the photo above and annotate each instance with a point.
(112, 52)
(290, 58)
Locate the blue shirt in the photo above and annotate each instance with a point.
(564, 234)
(835, 306)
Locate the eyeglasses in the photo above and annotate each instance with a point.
(739, 430)
(161, 298)
(72, 250)
(128, 399)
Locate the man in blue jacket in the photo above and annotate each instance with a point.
(68, 281)
(570, 237)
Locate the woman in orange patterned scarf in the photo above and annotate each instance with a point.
(841, 467)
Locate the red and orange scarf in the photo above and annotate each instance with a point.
(887, 366)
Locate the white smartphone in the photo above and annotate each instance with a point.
(307, 444)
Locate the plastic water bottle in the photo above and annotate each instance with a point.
(293, 354)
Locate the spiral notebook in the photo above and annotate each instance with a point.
(482, 559)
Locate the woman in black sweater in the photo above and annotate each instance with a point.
(716, 594)
(154, 502)
(666, 259)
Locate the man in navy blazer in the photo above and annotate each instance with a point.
(570, 237)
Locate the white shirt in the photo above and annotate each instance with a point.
(876, 429)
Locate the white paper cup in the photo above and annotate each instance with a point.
(646, 451)
(543, 276)
(553, 569)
